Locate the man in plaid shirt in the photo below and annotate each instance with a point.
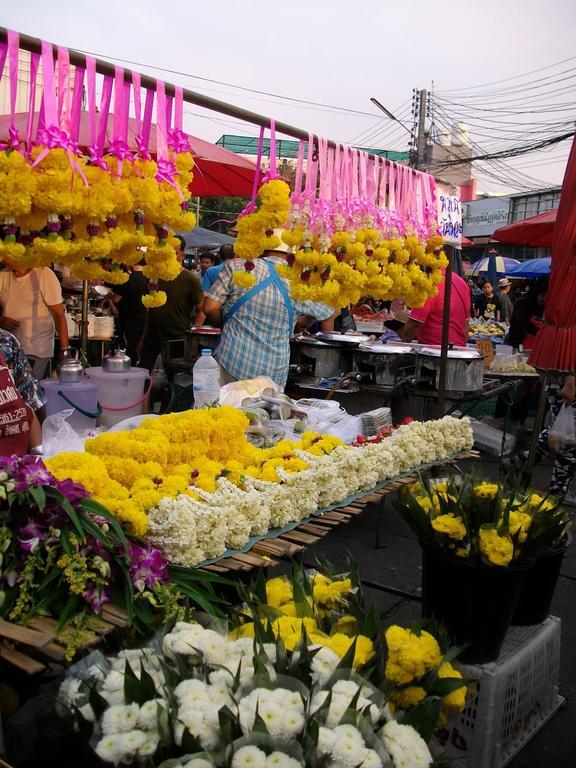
(258, 321)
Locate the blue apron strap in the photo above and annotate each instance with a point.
(280, 284)
(272, 279)
(254, 291)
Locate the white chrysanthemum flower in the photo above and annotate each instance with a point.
(371, 760)
(348, 751)
(87, 713)
(249, 757)
(110, 748)
(198, 762)
(148, 714)
(133, 741)
(149, 746)
(326, 739)
(120, 719)
(405, 745)
(345, 688)
(323, 665)
(114, 681)
(281, 760)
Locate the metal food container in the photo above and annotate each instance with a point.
(199, 338)
(464, 371)
(388, 363)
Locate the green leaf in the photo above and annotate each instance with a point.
(69, 509)
(229, 727)
(97, 702)
(190, 744)
(443, 686)
(39, 495)
(147, 685)
(424, 717)
(259, 724)
(72, 605)
(138, 691)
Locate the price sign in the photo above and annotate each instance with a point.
(486, 349)
(450, 217)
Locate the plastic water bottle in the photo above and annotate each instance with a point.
(206, 380)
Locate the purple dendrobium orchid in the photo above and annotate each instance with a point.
(95, 598)
(147, 566)
(71, 490)
(29, 471)
(30, 536)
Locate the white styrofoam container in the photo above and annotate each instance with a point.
(511, 700)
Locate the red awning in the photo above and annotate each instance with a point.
(466, 241)
(218, 172)
(535, 231)
(555, 348)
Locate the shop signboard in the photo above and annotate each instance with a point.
(482, 217)
(449, 216)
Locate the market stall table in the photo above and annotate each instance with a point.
(36, 647)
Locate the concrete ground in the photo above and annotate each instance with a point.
(398, 564)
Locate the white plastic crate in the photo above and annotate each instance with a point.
(511, 700)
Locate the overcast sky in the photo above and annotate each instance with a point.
(335, 53)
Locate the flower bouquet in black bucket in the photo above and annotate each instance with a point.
(490, 557)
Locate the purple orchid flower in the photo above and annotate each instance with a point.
(147, 566)
(30, 472)
(71, 490)
(30, 536)
(95, 598)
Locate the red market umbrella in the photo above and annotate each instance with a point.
(555, 348)
(535, 231)
(466, 241)
(218, 172)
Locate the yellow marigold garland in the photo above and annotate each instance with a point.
(48, 214)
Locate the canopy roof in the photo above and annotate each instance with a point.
(248, 145)
(200, 237)
(535, 231)
(218, 172)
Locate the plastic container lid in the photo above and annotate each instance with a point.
(387, 349)
(207, 352)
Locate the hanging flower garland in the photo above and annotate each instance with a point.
(97, 228)
(256, 229)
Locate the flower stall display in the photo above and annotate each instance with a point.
(220, 696)
(359, 226)
(195, 487)
(101, 208)
(62, 554)
(486, 552)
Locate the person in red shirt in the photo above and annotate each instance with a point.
(425, 324)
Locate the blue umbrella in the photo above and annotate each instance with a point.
(480, 267)
(531, 268)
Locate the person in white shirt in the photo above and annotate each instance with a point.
(32, 309)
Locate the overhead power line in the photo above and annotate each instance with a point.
(230, 85)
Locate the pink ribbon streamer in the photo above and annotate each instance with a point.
(91, 84)
(64, 106)
(13, 52)
(178, 141)
(146, 126)
(34, 62)
(251, 207)
(77, 94)
(299, 171)
(272, 173)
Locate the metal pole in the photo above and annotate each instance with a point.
(84, 320)
(445, 333)
(34, 45)
(421, 137)
(531, 461)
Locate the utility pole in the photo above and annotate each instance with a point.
(421, 135)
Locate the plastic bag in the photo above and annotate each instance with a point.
(236, 391)
(58, 435)
(563, 430)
